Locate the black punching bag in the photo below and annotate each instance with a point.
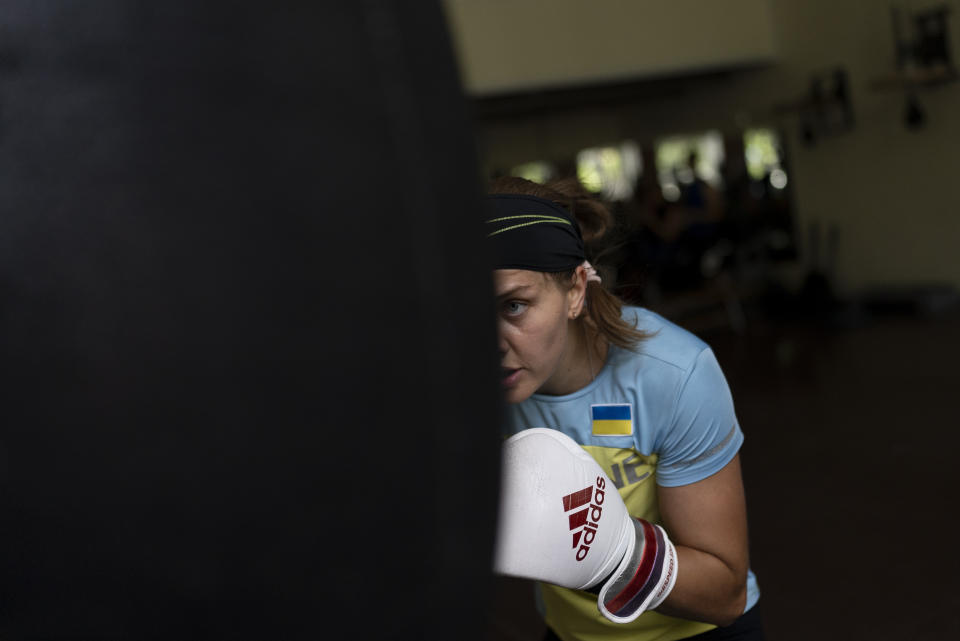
(249, 373)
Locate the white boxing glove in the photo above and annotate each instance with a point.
(562, 521)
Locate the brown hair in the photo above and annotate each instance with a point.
(603, 309)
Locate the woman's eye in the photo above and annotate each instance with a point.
(515, 308)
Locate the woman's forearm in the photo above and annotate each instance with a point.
(707, 589)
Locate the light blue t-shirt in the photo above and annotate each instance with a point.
(662, 415)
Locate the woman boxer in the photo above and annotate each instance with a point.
(645, 398)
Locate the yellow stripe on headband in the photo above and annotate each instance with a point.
(557, 219)
(541, 218)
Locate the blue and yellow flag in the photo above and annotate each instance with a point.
(612, 420)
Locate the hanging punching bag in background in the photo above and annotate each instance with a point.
(249, 376)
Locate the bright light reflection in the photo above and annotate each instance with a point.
(778, 178)
(671, 192)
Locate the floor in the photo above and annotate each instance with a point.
(851, 470)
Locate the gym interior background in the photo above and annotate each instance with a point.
(239, 324)
(784, 177)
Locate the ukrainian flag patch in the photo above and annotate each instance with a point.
(612, 420)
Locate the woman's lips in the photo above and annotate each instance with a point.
(510, 377)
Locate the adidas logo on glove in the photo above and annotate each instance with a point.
(586, 521)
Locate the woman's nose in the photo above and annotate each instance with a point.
(502, 346)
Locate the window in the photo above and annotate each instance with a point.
(538, 171)
(675, 154)
(610, 171)
(762, 150)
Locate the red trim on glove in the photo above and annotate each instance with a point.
(644, 568)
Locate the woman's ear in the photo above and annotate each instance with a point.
(576, 295)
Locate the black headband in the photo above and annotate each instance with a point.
(532, 233)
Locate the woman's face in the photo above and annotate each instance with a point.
(532, 323)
